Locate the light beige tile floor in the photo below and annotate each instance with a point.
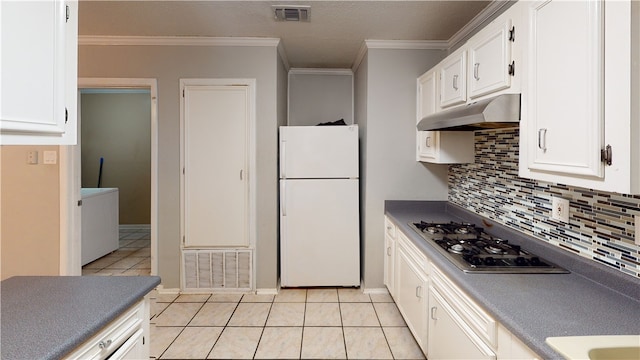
(133, 257)
(324, 323)
(295, 324)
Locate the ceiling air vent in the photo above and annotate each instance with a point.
(292, 13)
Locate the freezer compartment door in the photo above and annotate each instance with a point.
(320, 233)
(318, 152)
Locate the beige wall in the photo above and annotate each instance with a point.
(117, 127)
(169, 64)
(386, 113)
(30, 208)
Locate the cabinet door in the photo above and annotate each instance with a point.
(427, 105)
(489, 60)
(389, 257)
(428, 144)
(411, 289)
(39, 72)
(453, 80)
(562, 105)
(449, 336)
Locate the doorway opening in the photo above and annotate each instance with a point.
(117, 149)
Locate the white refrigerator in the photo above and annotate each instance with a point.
(319, 206)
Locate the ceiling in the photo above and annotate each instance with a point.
(332, 39)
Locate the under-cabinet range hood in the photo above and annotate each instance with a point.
(501, 111)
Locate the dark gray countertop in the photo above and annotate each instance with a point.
(46, 317)
(591, 300)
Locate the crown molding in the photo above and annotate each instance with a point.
(477, 21)
(175, 41)
(86, 40)
(320, 71)
(397, 45)
(407, 44)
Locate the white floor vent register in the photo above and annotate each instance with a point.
(228, 269)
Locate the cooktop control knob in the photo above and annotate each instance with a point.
(489, 261)
(521, 261)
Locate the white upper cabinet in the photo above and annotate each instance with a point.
(485, 65)
(440, 147)
(490, 64)
(38, 98)
(577, 126)
(453, 79)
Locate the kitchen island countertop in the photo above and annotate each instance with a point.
(47, 317)
(591, 300)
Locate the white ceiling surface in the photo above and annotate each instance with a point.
(332, 39)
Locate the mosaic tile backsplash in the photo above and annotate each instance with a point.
(601, 224)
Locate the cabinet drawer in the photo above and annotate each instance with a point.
(481, 322)
(389, 228)
(416, 256)
(104, 343)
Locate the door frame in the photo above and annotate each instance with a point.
(70, 179)
(251, 160)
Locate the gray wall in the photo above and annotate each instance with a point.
(388, 128)
(320, 98)
(117, 127)
(168, 64)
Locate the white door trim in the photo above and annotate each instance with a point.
(251, 154)
(70, 242)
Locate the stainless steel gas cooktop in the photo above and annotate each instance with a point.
(473, 250)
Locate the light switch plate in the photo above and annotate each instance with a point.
(560, 209)
(50, 157)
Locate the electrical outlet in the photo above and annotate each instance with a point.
(32, 157)
(636, 220)
(560, 209)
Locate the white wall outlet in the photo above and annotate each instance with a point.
(32, 157)
(560, 209)
(636, 220)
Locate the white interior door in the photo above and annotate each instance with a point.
(214, 149)
(320, 232)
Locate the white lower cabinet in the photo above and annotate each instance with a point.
(445, 322)
(449, 336)
(389, 256)
(126, 337)
(412, 284)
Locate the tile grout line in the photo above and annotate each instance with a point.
(255, 352)
(188, 322)
(225, 325)
(383, 332)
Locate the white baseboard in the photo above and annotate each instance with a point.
(266, 291)
(135, 226)
(376, 291)
(161, 290)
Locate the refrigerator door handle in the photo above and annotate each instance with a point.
(283, 205)
(283, 160)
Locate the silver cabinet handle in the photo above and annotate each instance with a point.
(428, 141)
(241, 174)
(476, 74)
(419, 291)
(542, 139)
(389, 250)
(455, 82)
(433, 313)
(104, 344)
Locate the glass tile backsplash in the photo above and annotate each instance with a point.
(601, 224)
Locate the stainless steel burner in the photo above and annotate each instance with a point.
(473, 250)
